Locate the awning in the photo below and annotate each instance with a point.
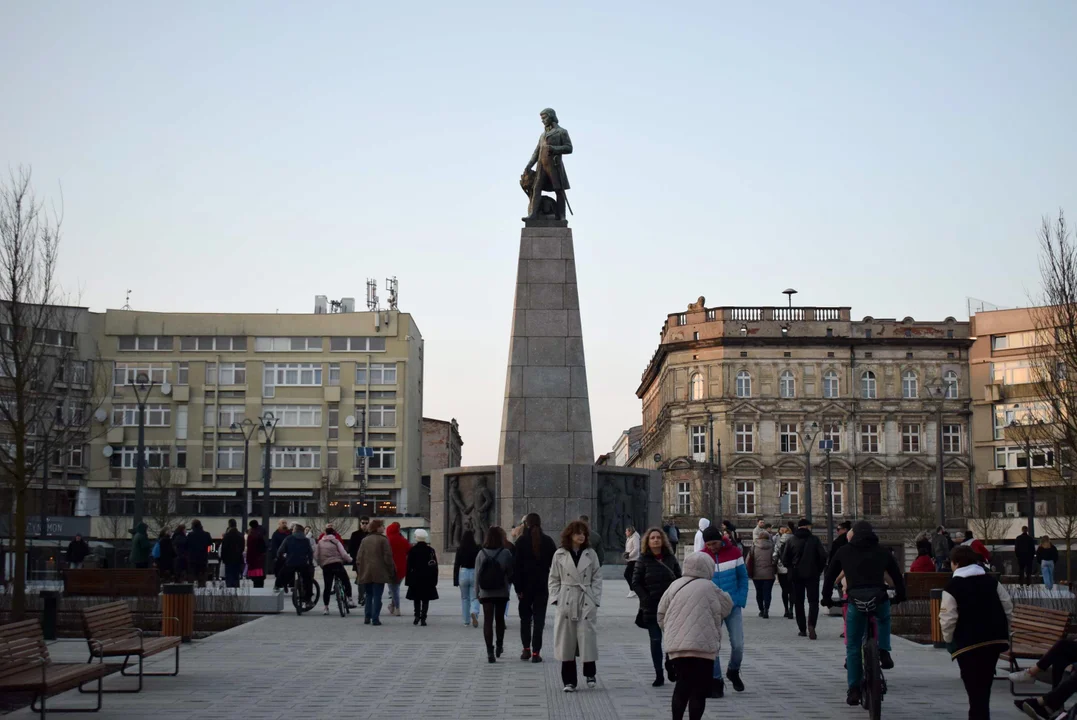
(288, 493)
(210, 493)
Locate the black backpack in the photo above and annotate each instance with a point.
(492, 575)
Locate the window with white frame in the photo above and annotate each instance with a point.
(71, 412)
(71, 458)
(181, 422)
(334, 374)
(1013, 458)
(287, 458)
(292, 374)
(832, 432)
(127, 373)
(228, 374)
(744, 384)
(1021, 412)
(868, 387)
(205, 343)
(224, 415)
(910, 386)
(831, 384)
(229, 458)
(696, 387)
(744, 437)
(145, 343)
(382, 459)
(380, 374)
(1012, 372)
(953, 387)
(910, 437)
(287, 344)
(787, 438)
(869, 438)
(684, 498)
(951, 438)
(787, 385)
(746, 497)
(838, 498)
(183, 371)
(382, 415)
(126, 457)
(156, 415)
(792, 489)
(699, 442)
(296, 415)
(357, 344)
(73, 371)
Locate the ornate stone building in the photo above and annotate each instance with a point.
(737, 399)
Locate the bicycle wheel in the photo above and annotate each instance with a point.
(297, 594)
(342, 602)
(873, 691)
(314, 595)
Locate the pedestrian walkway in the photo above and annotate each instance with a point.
(314, 666)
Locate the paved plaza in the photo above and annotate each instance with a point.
(314, 667)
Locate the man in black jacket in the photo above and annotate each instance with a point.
(839, 541)
(198, 542)
(806, 559)
(866, 565)
(1025, 549)
(232, 545)
(77, 550)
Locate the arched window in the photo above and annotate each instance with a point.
(787, 385)
(867, 385)
(951, 383)
(696, 387)
(910, 386)
(831, 384)
(744, 384)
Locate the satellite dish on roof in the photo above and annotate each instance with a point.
(350, 421)
(107, 451)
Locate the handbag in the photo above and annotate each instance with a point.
(639, 613)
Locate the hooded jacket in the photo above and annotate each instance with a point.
(198, 542)
(400, 546)
(698, 543)
(690, 612)
(140, 545)
(976, 611)
(804, 555)
(865, 564)
(762, 555)
(232, 547)
(329, 551)
(296, 550)
(979, 548)
(730, 572)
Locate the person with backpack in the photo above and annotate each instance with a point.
(576, 588)
(493, 573)
(784, 581)
(531, 576)
(673, 536)
(805, 557)
(655, 571)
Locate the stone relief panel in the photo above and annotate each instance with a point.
(470, 507)
(620, 501)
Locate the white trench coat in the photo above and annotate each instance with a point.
(575, 593)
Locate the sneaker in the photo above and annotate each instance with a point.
(326, 611)
(811, 634)
(526, 654)
(885, 661)
(366, 621)
(375, 622)
(474, 620)
(717, 688)
(536, 658)
(1022, 676)
(630, 595)
(802, 633)
(734, 679)
(351, 605)
(569, 688)
(853, 696)
(591, 682)
(1032, 708)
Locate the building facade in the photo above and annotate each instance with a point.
(626, 447)
(737, 399)
(442, 449)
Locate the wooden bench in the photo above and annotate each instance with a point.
(25, 666)
(1033, 631)
(110, 632)
(918, 585)
(116, 582)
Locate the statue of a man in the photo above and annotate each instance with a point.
(482, 503)
(552, 144)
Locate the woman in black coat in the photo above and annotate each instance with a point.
(655, 571)
(166, 559)
(421, 576)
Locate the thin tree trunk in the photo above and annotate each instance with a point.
(18, 599)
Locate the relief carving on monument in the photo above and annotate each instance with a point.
(469, 507)
(621, 502)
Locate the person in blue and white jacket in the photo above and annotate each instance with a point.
(730, 575)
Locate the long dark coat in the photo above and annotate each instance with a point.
(552, 169)
(421, 575)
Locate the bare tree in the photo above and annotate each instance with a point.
(986, 523)
(332, 510)
(162, 512)
(47, 388)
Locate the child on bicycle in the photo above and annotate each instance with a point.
(331, 557)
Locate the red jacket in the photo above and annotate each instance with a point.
(981, 549)
(923, 563)
(400, 546)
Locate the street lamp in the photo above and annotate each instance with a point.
(808, 437)
(248, 428)
(143, 385)
(1025, 431)
(827, 446)
(267, 424)
(937, 390)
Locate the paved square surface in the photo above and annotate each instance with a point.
(316, 666)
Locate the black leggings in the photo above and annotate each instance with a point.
(568, 672)
(787, 591)
(693, 686)
(493, 611)
(330, 571)
(977, 669)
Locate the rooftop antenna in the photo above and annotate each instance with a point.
(372, 295)
(393, 287)
(789, 292)
(127, 300)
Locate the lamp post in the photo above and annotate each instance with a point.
(1025, 432)
(937, 390)
(808, 436)
(143, 385)
(248, 428)
(827, 446)
(267, 424)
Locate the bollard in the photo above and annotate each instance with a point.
(50, 609)
(177, 610)
(936, 608)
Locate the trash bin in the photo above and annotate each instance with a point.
(50, 608)
(936, 608)
(177, 610)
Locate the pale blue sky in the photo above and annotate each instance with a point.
(895, 157)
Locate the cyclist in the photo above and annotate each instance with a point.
(298, 558)
(332, 558)
(865, 565)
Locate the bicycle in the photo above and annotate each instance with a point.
(301, 605)
(342, 598)
(872, 682)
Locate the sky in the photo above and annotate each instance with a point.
(245, 157)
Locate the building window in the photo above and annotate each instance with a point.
(744, 437)
(873, 498)
(699, 443)
(787, 385)
(914, 499)
(287, 344)
(181, 456)
(684, 498)
(682, 319)
(332, 459)
(145, 343)
(292, 374)
(1014, 372)
(955, 499)
(910, 387)
(380, 374)
(787, 437)
(744, 384)
(695, 336)
(295, 415)
(910, 438)
(382, 459)
(1023, 412)
(832, 432)
(357, 344)
(229, 458)
(127, 373)
(125, 457)
(127, 415)
(334, 422)
(181, 422)
(869, 438)
(205, 343)
(334, 374)
(831, 384)
(230, 374)
(696, 385)
(951, 439)
(953, 389)
(746, 497)
(790, 488)
(182, 373)
(225, 415)
(838, 498)
(286, 458)
(1014, 458)
(382, 416)
(868, 389)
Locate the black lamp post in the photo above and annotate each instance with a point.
(827, 446)
(143, 385)
(248, 428)
(267, 424)
(937, 390)
(808, 437)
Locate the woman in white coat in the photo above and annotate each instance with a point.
(576, 593)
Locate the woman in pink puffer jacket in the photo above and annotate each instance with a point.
(690, 615)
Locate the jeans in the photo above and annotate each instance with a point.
(977, 669)
(493, 611)
(809, 588)
(75, 565)
(232, 571)
(469, 604)
(330, 571)
(533, 618)
(942, 563)
(764, 590)
(1061, 655)
(394, 595)
(1047, 567)
(856, 624)
(372, 608)
(655, 633)
(734, 625)
(568, 672)
(693, 687)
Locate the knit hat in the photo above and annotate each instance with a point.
(804, 522)
(421, 535)
(711, 533)
(862, 527)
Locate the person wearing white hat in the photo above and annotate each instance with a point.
(421, 576)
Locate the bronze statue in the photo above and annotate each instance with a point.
(482, 504)
(550, 173)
